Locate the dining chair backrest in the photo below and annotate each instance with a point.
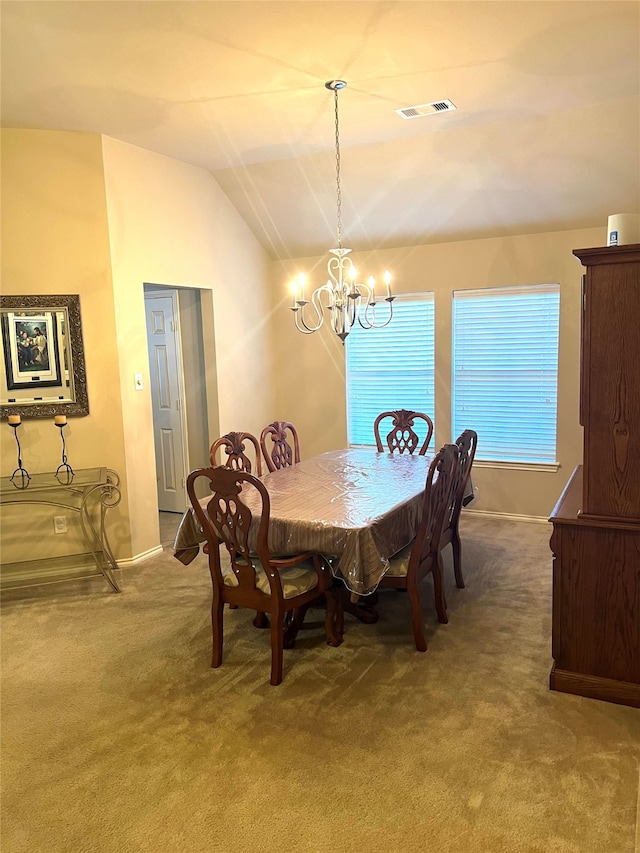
(233, 445)
(226, 520)
(435, 510)
(422, 556)
(402, 437)
(249, 576)
(280, 453)
(466, 444)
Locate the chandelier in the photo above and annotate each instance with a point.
(346, 300)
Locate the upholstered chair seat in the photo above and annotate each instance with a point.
(399, 563)
(295, 581)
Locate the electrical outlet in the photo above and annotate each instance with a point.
(60, 524)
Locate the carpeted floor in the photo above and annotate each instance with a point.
(118, 736)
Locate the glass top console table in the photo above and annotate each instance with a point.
(90, 492)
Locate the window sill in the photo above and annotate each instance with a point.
(550, 468)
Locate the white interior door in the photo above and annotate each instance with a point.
(165, 367)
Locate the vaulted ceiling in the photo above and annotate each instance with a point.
(546, 134)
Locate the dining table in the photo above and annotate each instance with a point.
(357, 506)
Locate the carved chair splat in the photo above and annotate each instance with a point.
(402, 437)
(282, 454)
(234, 446)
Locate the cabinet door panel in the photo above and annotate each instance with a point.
(611, 390)
(599, 601)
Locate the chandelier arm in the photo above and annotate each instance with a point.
(316, 302)
(309, 328)
(367, 323)
(354, 310)
(301, 326)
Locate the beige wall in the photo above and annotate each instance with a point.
(55, 241)
(90, 215)
(311, 390)
(170, 224)
(94, 216)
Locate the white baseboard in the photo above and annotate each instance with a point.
(140, 558)
(531, 519)
(36, 573)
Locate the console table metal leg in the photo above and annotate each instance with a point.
(109, 496)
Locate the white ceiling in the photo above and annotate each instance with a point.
(546, 135)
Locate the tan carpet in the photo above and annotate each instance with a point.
(118, 736)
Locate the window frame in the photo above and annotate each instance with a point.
(422, 297)
(493, 457)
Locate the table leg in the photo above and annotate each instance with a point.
(108, 496)
(334, 620)
(334, 624)
(293, 623)
(362, 608)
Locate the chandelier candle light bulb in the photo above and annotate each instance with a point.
(20, 477)
(342, 296)
(387, 281)
(64, 469)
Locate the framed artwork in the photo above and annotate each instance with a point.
(43, 372)
(31, 353)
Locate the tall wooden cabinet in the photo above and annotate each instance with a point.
(596, 522)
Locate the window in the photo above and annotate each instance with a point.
(391, 368)
(505, 371)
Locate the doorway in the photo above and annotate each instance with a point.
(178, 392)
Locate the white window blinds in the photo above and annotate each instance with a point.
(391, 368)
(505, 371)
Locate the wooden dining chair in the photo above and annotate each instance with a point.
(252, 577)
(233, 445)
(466, 443)
(402, 436)
(423, 556)
(280, 454)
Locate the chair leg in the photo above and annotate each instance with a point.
(217, 609)
(277, 638)
(438, 589)
(457, 559)
(416, 618)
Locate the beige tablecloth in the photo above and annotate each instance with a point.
(358, 506)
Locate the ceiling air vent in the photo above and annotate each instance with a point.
(427, 109)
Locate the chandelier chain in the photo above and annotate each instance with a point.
(345, 300)
(338, 188)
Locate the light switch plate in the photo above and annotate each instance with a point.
(139, 382)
